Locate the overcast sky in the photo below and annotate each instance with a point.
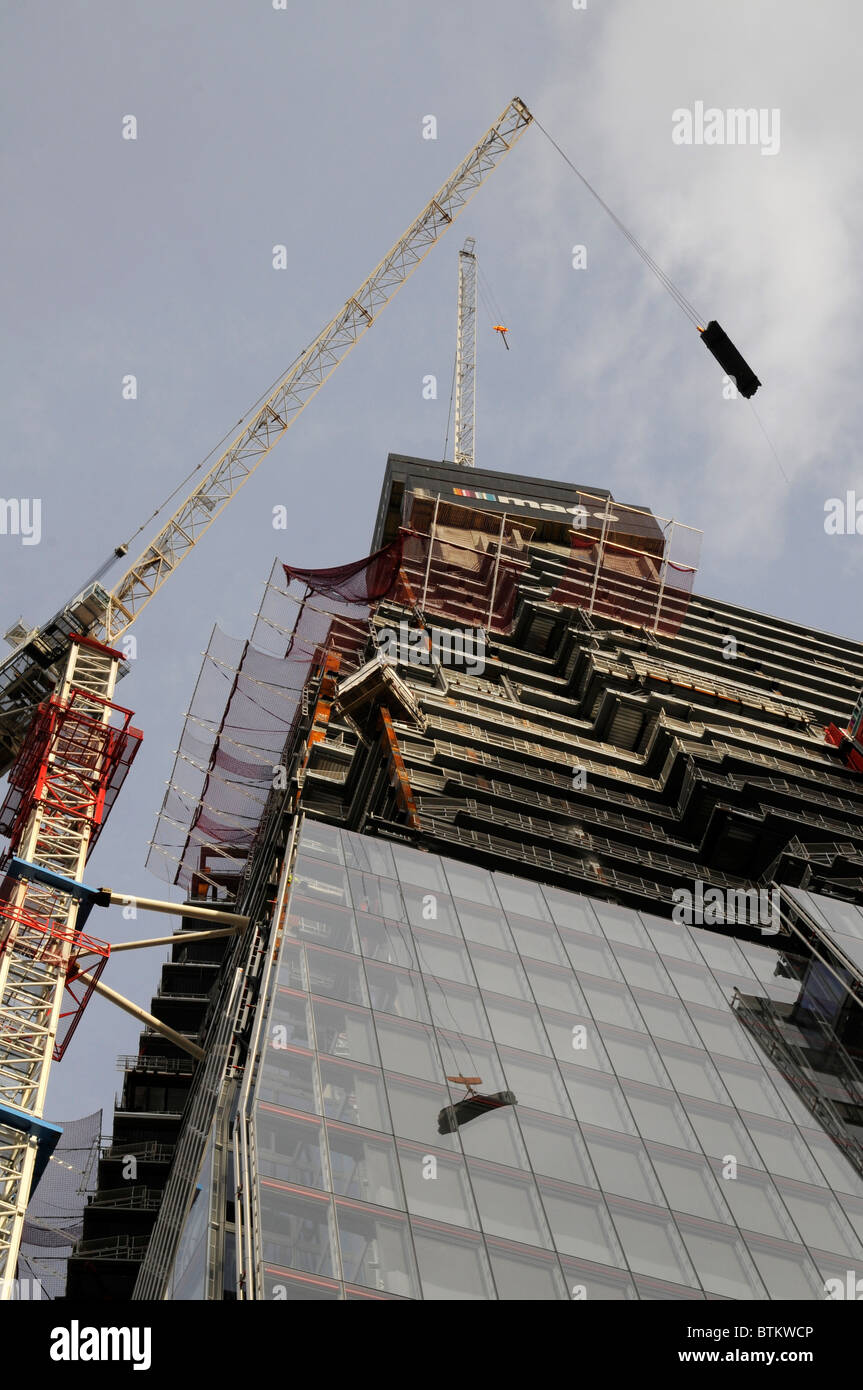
(303, 126)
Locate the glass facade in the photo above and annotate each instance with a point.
(655, 1150)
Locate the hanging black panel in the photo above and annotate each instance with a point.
(717, 341)
(470, 1108)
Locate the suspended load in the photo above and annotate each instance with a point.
(849, 740)
(717, 341)
(502, 330)
(472, 1105)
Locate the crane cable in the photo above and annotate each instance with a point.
(119, 551)
(665, 280)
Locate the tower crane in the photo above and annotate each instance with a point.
(465, 357)
(69, 745)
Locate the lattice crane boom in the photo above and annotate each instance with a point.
(198, 512)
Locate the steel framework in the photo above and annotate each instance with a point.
(465, 357)
(78, 749)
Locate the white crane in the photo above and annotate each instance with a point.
(465, 358)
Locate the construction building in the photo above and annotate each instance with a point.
(552, 981)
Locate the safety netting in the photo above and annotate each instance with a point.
(621, 562)
(55, 1214)
(248, 700)
(630, 578)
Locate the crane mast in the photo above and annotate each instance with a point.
(465, 357)
(69, 745)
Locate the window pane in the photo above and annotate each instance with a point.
(452, 1265)
(840, 1174)
(622, 1166)
(556, 988)
(538, 941)
(557, 1149)
(643, 970)
(576, 1039)
(365, 853)
(524, 1275)
(666, 1019)
(598, 1100)
(782, 1150)
(696, 983)
(288, 1079)
(580, 1223)
(633, 1056)
(415, 1107)
(316, 880)
(722, 1134)
(289, 1147)
(420, 869)
(621, 924)
(722, 1033)
(689, 1184)
(458, 1007)
(611, 1003)
(324, 923)
(297, 1288)
(820, 1220)
(343, 1031)
(692, 1072)
(591, 954)
(516, 1025)
(386, 941)
(473, 884)
(651, 1242)
(499, 972)
(437, 1186)
(508, 1203)
(670, 940)
(288, 1023)
(336, 976)
(397, 992)
(409, 1048)
(591, 1282)
(443, 957)
(354, 1095)
(751, 1089)
(364, 1166)
(659, 1116)
(500, 1141)
(375, 1248)
(295, 1229)
(721, 1260)
(521, 896)
(318, 838)
(485, 925)
(379, 896)
(536, 1082)
(431, 911)
(755, 1204)
(787, 1273)
(570, 910)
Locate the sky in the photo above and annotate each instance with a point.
(297, 125)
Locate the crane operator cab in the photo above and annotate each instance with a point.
(849, 740)
(472, 1104)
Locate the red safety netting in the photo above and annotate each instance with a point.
(629, 585)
